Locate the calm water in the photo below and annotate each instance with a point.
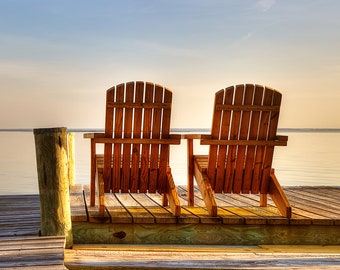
(311, 158)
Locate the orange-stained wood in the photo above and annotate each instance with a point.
(242, 141)
(136, 143)
(136, 147)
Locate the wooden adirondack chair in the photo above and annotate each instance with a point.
(136, 144)
(242, 141)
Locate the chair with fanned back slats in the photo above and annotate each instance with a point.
(241, 147)
(136, 144)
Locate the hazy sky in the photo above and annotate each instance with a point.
(57, 58)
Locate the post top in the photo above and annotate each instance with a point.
(49, 130)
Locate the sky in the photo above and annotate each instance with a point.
(58, 57)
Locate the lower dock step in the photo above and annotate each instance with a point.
(32, 253)
(201, 257)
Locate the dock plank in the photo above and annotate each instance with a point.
(160, 213)
(320, 200)
(19, 215)
(117, 212)
(187, 212)
(204, 257)
(93, 211)
(318, 212)
(137, 211)
(78, 209)
(31, 253)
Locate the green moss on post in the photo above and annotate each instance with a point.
(53, 176)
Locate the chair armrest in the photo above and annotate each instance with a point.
(282, 138)
(191, 136)
(100, 138)
(277, 141)
(93, 135)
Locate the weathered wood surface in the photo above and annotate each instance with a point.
(241, 147)
(32, 253)
(53, 176)
(20, 244)
(140, 219)
(78, 208)
(311, 206)
(136, 144)
(19, 215)
(203, 257)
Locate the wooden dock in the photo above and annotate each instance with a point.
(137, 233)
(140, 219)
(20, 244)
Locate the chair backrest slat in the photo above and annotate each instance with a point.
(233, 135)
(239, 182)
(260, 150)
(109, 116)
(224, 152)
(243, 151)
(165, 148)
(117, 148)
(272, 128)
(215, 134)
(137, 129)
(253, 135)
(156, 131)
(243, 168)
(144, 174)
(127, 133)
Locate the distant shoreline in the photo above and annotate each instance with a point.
(189, 130)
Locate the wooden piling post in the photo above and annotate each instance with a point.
(53, 176)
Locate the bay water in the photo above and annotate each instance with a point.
(312, 158)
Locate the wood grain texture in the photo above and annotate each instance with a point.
(32, 253)
(241, 147)
(53, 178)
(203, 257)
(311, 222)
(136, 143)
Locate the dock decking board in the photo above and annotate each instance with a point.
(20, 244)
(19, 215)
(32, 252)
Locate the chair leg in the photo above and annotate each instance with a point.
(279, 197)
(263, 199)
(190, 152)
(172, 195)
(206, 191)
(101, 193)
(165, 200)
(93, 173)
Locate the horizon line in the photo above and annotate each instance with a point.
(182, 130)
